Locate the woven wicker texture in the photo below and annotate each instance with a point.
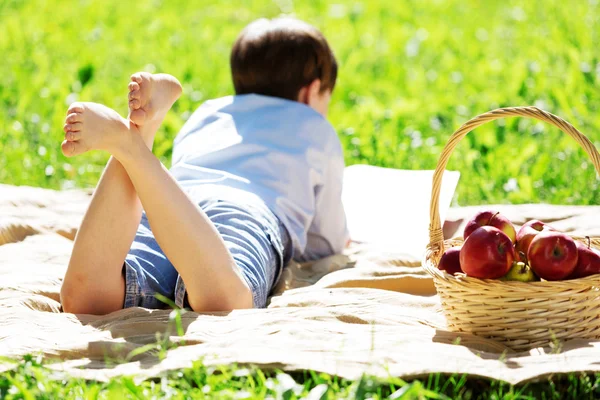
(521, 315)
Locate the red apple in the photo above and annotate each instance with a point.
(588, 261)
(526, 234)
(487, 253)
(552, 255)
(450, 261)
(490, 218)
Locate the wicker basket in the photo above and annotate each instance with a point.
(521, 315)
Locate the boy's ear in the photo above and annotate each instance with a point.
(310, 92)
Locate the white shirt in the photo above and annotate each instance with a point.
(282, 151)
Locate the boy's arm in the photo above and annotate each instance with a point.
(330, 209)
(328, 233)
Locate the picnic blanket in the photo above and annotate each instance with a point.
(370, 310)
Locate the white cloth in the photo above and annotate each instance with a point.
(281, 151)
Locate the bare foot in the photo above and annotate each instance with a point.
(92, 126)
(150, 97)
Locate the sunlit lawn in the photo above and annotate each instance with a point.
(411, 73)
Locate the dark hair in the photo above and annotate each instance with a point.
(278, 57)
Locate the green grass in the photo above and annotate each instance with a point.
(30, 380)
(411, 73)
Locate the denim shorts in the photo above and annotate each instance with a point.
(255, 238)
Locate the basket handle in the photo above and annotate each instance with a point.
(436, 235)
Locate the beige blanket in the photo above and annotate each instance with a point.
(367, 311)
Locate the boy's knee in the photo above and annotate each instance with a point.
(80, 299)
(72, 300)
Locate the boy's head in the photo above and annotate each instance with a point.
(285, 58)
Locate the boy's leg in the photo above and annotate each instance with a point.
(183, 231)
(256, 239)
(94, 282)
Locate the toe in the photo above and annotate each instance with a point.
(72, 136)
(75, 108)
(134, 104)
(134, 95)
(72, 118)
(67, 148)
(70, 149)
(74, 127)
(133, 86)
(136, 78)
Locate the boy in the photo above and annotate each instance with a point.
(255, 181)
